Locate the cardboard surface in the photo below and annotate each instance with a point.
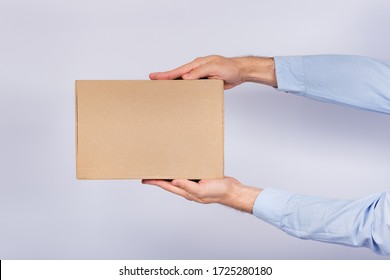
(149, 129)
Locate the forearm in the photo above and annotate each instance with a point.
(356, 81)
(257, 69)
(360, 223)
(241, 197)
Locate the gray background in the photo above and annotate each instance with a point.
(273, 139)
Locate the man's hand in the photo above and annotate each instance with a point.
(227, 191)
(233, 71)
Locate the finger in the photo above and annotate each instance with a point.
(182, 70)
(187, 185)
(207, 70)
(175, 73)
(167, 186)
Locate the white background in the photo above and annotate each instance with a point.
(110, 269)
(272, 139)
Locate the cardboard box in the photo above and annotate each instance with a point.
(149, 129)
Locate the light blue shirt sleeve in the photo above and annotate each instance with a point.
(360, 223)
(353, 81)
(350, 80)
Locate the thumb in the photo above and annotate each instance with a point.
(187, 185)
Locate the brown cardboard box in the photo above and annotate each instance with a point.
(149, 129)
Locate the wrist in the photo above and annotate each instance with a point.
(241, 197)
(257, 69)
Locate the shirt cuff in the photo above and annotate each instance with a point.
(290, 74)
(270, 205)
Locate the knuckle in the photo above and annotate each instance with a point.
(183, 186)
(198, 59)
